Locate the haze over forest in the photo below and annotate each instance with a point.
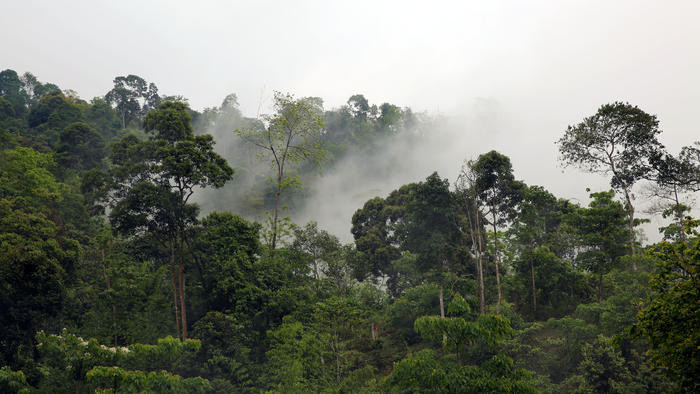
(507, 76)
(481, 196)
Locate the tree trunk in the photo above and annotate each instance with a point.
(534, 290)
(630, 224)
(498, 274)
(442, 304)
(275, 212)
(442, 315)
(679, 215)
(600, 287)
(175, 292)
(480, 261)
(183, 310)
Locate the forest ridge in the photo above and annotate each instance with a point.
(113, 280)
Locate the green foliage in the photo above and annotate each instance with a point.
(671, 319)
(620, 138)
(558, 287)
(73, 362)
(12, 382)
(80, 147)
(601, 231)
(290, 137)
(118, 380)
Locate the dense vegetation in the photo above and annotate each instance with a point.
(113, 280)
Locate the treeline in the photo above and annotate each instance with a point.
(112, 279)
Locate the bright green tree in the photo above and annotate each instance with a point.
(289, 137)
(670, 320)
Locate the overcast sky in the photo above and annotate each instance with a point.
(533, 67)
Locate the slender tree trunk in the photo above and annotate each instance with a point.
(442, 304)
(534, 290)
(183, 309)
(442, 314)
(630, 225)
(479, 260)
(600, 287)
(175, 291)
(679, 214)
(275, 213)
(498, 274)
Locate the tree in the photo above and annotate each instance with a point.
(467, 194)
(674, 176)
(499, 192)
(537, 225)
(600, 230)
(153, 180)
(619, 139)
(290, 136)
(430, 229)
(670, 320)
(429, 371)
(11, 90)
(35, 258)
(80, 147)
(132, 96)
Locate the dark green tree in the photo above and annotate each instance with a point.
(430, 229)
(499, 193)
(670, 320)
(153, 180)
(620, 139)
(80, 147)
(600, 231)
(132, 97)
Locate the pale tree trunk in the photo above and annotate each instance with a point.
(679, 215)
(276, 210)
(498, 274)
(183, 310)
(175, 291)
(479, 260)
(534, 290)
(442, 315)
(630, 224)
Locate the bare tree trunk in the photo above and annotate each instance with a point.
(275, 213)
(498, 274)
(183, 310)
(679, 214)
(442, 304)
(442, 315)
(175, 291)
(630, 224)
(480, 261)
(534, 290)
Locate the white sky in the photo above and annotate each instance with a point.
(542, 65)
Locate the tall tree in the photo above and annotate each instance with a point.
(671, 319)
(290, 136)
(600, 230)
(467, 195)
(133, 97)
(499, 193)
(153, 181)
(674, 178)
(619, 139)
(80, 147)
(430, 229)
(537, 225)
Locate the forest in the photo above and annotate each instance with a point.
(149, 247)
